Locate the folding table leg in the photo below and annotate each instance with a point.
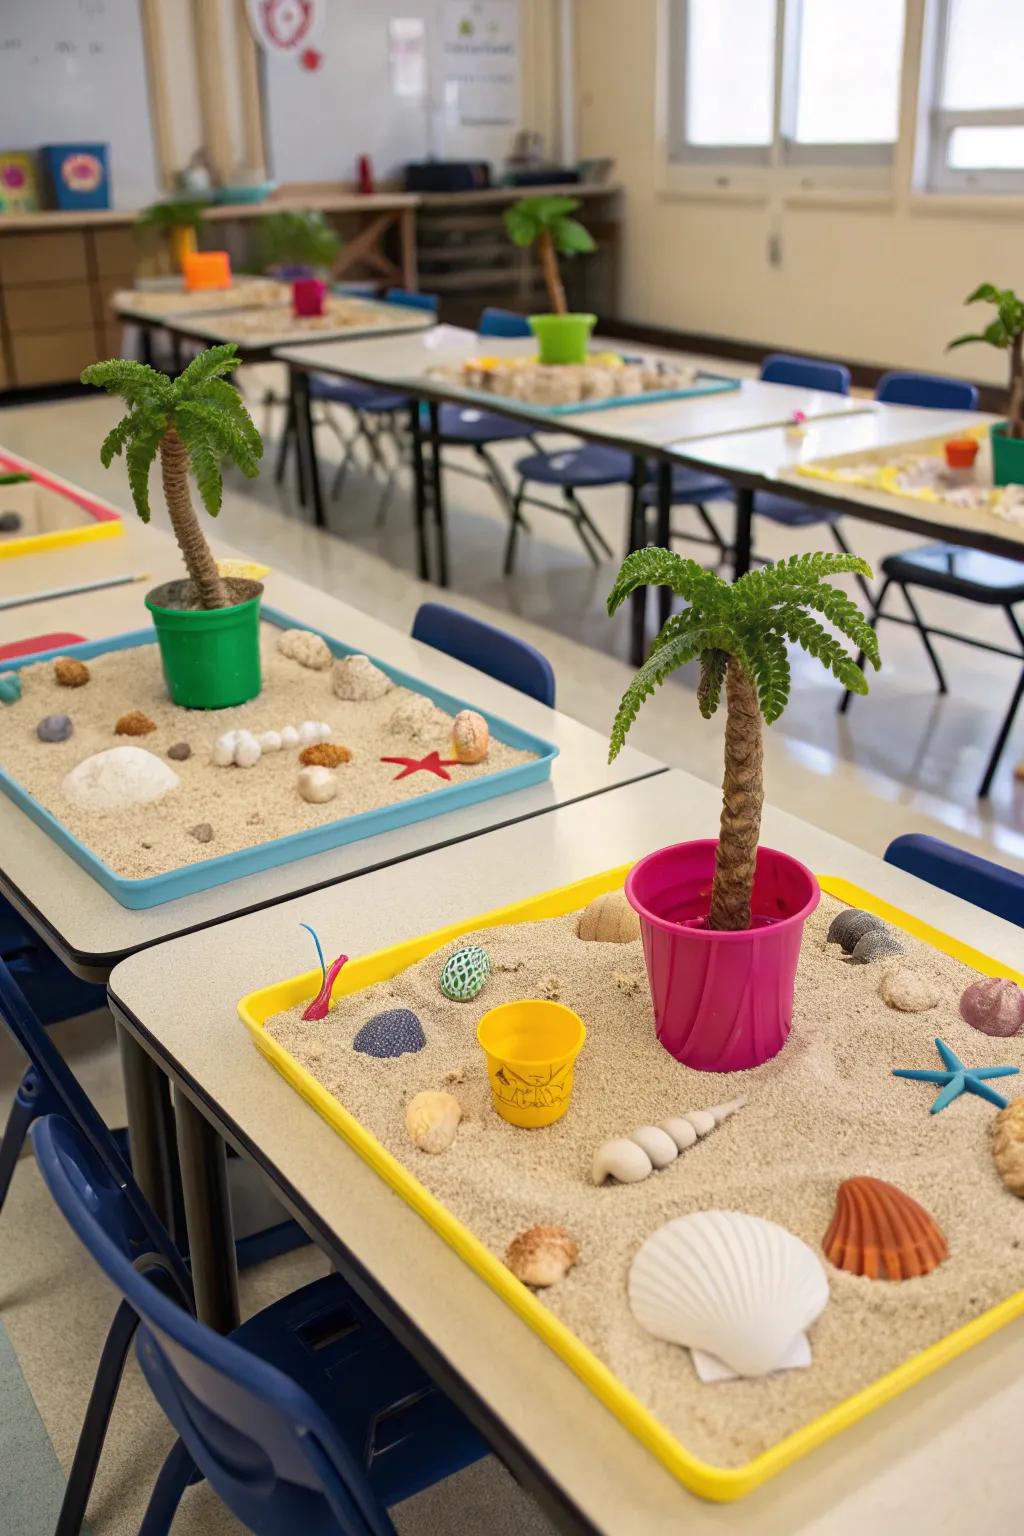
(419, 476)
(637, 540)
(437, 496)
(211, 1241)
(150, 1128)
(744, 531)
(1002, 739)
(309, 468)
(664, 534)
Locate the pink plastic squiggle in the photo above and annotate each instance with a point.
(319, 1007)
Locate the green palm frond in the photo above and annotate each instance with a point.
(192, 419)
(224, 397)
(118, 436)
(206, 468)
(816, 640)
(712, 675)
(674, 654)
(135, 382)
(139, 456)
(652, 567)
(211, 364)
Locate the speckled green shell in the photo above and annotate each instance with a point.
(464, 973)
(10, 687)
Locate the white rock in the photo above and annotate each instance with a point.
(224, 749)
(289, 736)
(325, 729)
(317, 785)
(358, 679)
(117, 778)
(270, 741)
(307, 649)
(247, 751)
(309, 732)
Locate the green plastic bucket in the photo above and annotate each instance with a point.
(1007, 456)
(562, 338)
(211, 656)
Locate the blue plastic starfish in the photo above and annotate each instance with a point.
(958, 1079)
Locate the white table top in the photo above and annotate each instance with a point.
(235, 325)
(88, 927)
(944, 1458)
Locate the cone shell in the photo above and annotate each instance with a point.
(881, 1233)
(609, 919)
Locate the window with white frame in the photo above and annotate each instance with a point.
(975, 96)
(785, 82)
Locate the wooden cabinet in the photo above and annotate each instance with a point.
(54, 357)
(59, 257)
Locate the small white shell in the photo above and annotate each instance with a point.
(247, 750)
(681, 1131)
(224, 750)
(325, 729)
(658, 1145)
(289, 736)
(317, 785)
(726, 1284)
(621, 1160)
(270, 741)
(309, 732)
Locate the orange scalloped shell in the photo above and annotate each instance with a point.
(880, 1232)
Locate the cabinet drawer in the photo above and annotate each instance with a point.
(47, 258)
(48, 307)
(117, 250)
(54, 358)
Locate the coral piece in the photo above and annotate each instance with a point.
(325, 754)
(432, 763)
(464, 973)
(542, 1256)
(958, 1079)
(134, 723)
(180, 752)
(359, 680)
(70, 672)
(470, 737)
(907, 990)
(849, 926)
(876, 944)
(54, 728)
(881, 1233)
(10, 687)
(995, 1006)
(202, 832)
(609, 919)
(308, 649)
(738, 1291)
(418, 719)
(119, 777)
(657, 1145)
(317, 785)
(1008, 1146)
(432, 1119)
(395, 1032)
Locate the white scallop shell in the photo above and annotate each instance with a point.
(729, 1285)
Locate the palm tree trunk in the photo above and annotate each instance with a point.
(1016, 412)
(199, 561)
(742, 797)
(552, 276)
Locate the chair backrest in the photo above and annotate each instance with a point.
(258, 1438)
(502, 322)
(136, 1220)
(428, 301)
(927, 389)
(492, 650)
(977, 880)
(806, 373)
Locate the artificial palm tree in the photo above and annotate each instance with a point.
(194, 422)
(739, 633)
(545, 222)
(1006, 332)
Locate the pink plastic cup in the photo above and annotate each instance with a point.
(308, 294)
(722, 1001)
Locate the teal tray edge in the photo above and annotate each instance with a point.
(715, 385)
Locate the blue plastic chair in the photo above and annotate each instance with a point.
(805, 373)
(502, 656)
(53, 992)
(504, 322)
(974, 879)
(928, 390)
(309, 1418)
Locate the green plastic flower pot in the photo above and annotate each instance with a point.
(1007, 456)
(210, 656)
(562, 338)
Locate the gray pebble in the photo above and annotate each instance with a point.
(203, 832)
(54, 728)
(391, 1033)
(848, 927)
(876, 944)
(10, 522)
(180, 751)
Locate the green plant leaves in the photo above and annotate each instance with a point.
(211, 364)
(525, 220)
(1008, 324)
(675, 653)
(139, 456)
(571, 238)
(713, 664)
(296, 237)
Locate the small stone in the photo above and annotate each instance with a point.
(308, 649)
(134, 723)
(144, 844)
(464, 973)
(470, 737)
(542, 1256)
(289, 736)
(849, 926)
(1008, 1146)
(180, 752)
(551, 988)
(455, 1077)
(254, 819)
(54, 728)
(876, 944)
(325, 754)
(359, 680)
(312, 731)
(270, 741)
(317, 785)
(432, 1119)
(609, 919)
(995, 1006)
(70, 672)
(247, 750)
(395, 1032)
(10, 687)
(10, 522)
(202, 832)
(909, 991)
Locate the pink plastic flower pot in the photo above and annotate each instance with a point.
(722, 1001)
(308, 294)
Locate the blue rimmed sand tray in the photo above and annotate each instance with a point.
(709, 384)
(153, 890)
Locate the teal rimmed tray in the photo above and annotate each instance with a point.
(710, 384)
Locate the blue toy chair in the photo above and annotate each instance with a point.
(974, 879)
(502, 656)
(308, 1420)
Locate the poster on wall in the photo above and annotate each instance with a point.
(480, 59)
(407, 55)
(287, 30)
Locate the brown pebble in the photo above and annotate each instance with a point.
(202, 832)
(324, 754)
(134, 723)
(69, 672)
(180, 751)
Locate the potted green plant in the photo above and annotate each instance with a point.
(1006, 332)
(545, 222)
(181, 219)
(207, 626)
(297, 243)
(722, 919)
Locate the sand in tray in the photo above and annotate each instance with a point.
(824, 1109)
(244, 806)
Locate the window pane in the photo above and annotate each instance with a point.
(850, 55)
(730, 71)
(984, 49)
(986, 149)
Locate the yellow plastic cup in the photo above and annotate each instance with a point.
(530, 1048)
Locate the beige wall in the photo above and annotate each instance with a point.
(874, 284)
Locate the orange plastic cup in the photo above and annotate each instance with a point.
(207, 269)
(961, 452)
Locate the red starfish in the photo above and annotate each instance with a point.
(432, 763)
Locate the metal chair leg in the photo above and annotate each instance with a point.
(515, 524)
(23, 1111)
(342, 471)
(873, 617)
(499, 484)
(922, 630)
(97, 1418)
(287, 441)
(174, 1477)
(1001, 739)
(589, 534)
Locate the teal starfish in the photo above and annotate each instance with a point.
(958, 1079)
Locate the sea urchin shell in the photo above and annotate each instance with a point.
(881, 1233)
(995, 1006)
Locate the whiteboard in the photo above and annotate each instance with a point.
(75, 70)
(319, 121)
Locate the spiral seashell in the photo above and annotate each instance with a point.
(881, 1233)
(542, 1256)
(995, 1006)
(470, 737)
(432, 1119)
(849, 926)
(1008, 1146)
(628, 1159)
(609, 919)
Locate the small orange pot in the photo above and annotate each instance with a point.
(961, 452)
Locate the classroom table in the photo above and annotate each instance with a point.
(909, 1465)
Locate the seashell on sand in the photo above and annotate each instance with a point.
(657, 1145)
(542, 1256)
(738, 1291)
(134, 723)
(317, 785)
(876, 944)
(308, 649)
(1008, 1146)
(117, 778)
(395, 1032)
(358, 680)
(70, 672)
(608, 919)
(908, 991)
(432, 1119)
(995, 1006)
(464, 973)
(881, 1233)
(849, 926)
(470, 737)
(620, 1159)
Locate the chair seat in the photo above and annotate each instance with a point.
(588, 465)
(959, 572)
(690, 486)
(470, 424)
(791, 514)
(359, 397)
(404, 1432)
